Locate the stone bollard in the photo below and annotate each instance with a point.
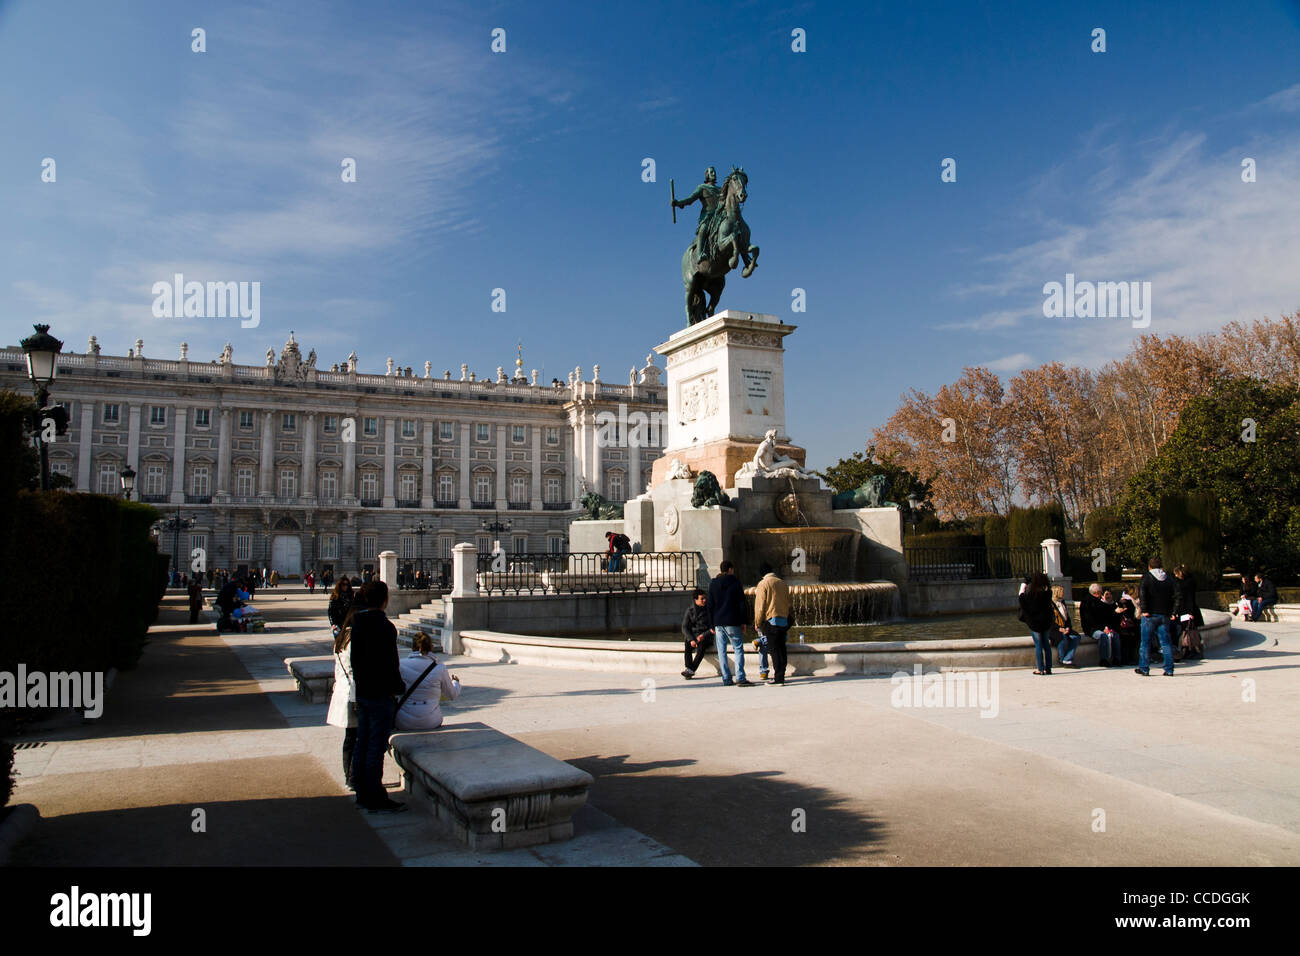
(464, 566)
(388, 568)
(1052, 559)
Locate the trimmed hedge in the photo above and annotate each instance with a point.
(997, 531)
(1030, 527)
(97, 586)
(946, 539)
(1189, 533)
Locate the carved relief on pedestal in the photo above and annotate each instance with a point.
(698, 397)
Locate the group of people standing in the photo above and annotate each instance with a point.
(718, 619)
(375, 692)
(1163, 610)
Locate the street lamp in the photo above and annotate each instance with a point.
(128, 481)
(914, 506)
(42, 366)
(497, 526)
(420, 530)
(175, 525)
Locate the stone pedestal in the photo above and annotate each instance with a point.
(464, 568)
(388, 568)
(726, 388)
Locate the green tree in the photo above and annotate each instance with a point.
(848, 473)
(1239, 444)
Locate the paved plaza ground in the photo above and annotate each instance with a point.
(1182, 771)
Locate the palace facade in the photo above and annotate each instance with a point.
(289, 467)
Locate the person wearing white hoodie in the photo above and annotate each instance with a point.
(421, 710)
(1156, 599)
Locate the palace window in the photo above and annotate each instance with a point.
(244, 486)
(482, 489)
(199, 542)
(519, 544)
(329, 546)
(288, 483)
(555, 543)
(199, 484)
(483, 432)
(483, 544)
(202, 417)
(369, 485)
(445, 543)
(369, 546)
(243, 547)
(552, 436)
(446, 488)
(519, 489)
(408, 547)
(329, 485)
(446, 431)
(157, 415)
(408, 428)
(111, 413)
(110, 482)
(245, 421)
(553, 484)
(289, 422)
(615, 485)
(155, 480)
(406, 489)
(517, 434)
(331, 424)
(370, 426)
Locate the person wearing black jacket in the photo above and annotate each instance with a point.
(1098, 621)
(378, 680)
(340, 604)
(727, 615)
(1037, 612)
(1185, 606)
(1267, 598)
(697, 631)
(1156, 599)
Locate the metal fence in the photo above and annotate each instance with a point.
(971, 564)
(423, 574)
(586, 572)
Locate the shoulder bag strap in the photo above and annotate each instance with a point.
(427, 671)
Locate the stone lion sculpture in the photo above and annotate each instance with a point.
(708, 492)
(598, 509)
(872, 493)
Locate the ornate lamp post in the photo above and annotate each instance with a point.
(42, 367)
(128, 481)
(497, 526)
(175, 525)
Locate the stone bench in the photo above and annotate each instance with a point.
(315, 677)
(565, 581)
(489, 790)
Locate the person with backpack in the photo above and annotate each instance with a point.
(619, 545)
(428, 682)
(1156, 598)
(1038, 614)
(378, 679)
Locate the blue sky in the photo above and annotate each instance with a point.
(522, 171)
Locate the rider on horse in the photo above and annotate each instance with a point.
(709, 193)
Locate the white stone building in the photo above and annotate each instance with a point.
(260, 455)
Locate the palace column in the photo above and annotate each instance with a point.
(178, 457)
(464, 464)
(501, 466)
(83, 451)
(309, 458)
(536, 503)
(575, 458)
(390, 437)
(634, 483)
(349, 489)
(223, 453)
(133, 441)
(426, 487)
(595, 474)
(265, 485)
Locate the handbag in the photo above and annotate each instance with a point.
(420, 680)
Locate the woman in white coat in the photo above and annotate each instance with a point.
(421, 710)
(342, 710)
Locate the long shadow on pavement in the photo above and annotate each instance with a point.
(748, 819)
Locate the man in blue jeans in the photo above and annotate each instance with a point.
(727, 614)
(1156, 599)
(378, 680)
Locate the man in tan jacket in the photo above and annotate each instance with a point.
(772, 618)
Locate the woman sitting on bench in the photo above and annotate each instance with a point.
(428, 683)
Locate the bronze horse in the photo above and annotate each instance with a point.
(731, 246)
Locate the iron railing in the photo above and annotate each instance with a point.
(423, 574)
(586, 572)
(971, 564)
